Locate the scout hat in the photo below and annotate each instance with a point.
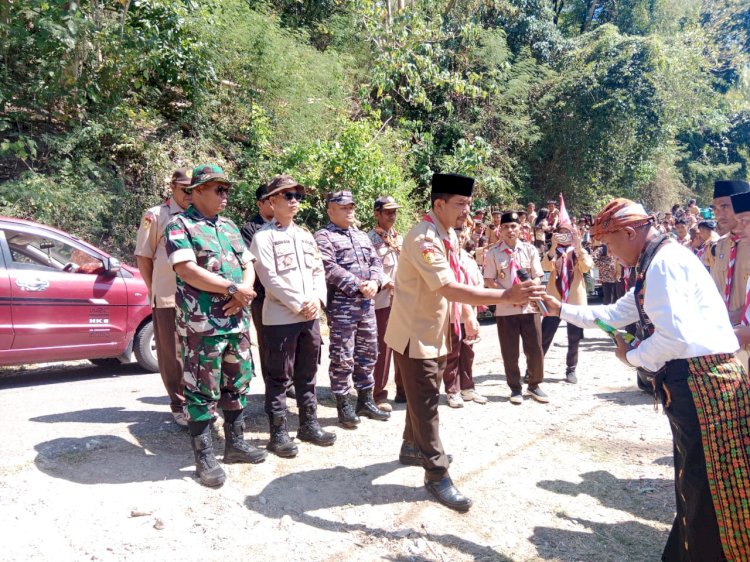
(386, 202)
(204, 173)
(452, 184)
(741, 202)
(180, 177)
(727, 188)
(340, 198)
(281, 182)
(509, 217)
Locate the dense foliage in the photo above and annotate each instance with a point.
(101, 100)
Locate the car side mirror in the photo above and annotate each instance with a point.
(112, 266)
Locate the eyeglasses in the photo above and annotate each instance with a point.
(289, 195)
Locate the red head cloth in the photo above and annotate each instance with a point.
(564, 220)
(618, 214)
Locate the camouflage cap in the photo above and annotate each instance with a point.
(208, 172)
(340, 198)
(281, 182)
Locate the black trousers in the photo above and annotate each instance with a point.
(575, 335)
(695, 532)
(421, 379)
(292, 353)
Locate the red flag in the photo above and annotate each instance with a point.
(564, 217)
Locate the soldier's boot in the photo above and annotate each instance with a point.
(236, 449)
(310, 430)
(366, 406)
(207, 468)
(347, 417)
(280, 442)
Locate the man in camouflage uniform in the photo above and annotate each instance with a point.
(157, 273)
(354, 275)
(214, 288)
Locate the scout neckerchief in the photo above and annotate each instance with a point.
(730, 269)
(626, 277)
(455, 268)
(512, 265)
(647, 327)
(565, 279)
(388, 238)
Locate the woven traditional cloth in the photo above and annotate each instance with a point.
(720, 389)
(730, 270)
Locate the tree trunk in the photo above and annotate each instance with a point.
(589, 17)
(401, 5)
(388, 13)
(558, 6)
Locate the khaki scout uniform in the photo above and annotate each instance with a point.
(289, 265)
(576, 295)
(150, 243)
(514, 322)
(717, 259)
(419, 334)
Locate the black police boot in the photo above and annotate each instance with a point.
(310, 430)
(366, 406)
(280, 442)
(207, 468)
(347, 417)
(236, 449)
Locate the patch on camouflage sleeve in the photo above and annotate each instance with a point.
(428, 252)
(176, 234)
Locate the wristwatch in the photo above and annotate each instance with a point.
(231, 290)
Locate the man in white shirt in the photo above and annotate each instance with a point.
(689, 345)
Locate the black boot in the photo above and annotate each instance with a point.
(236, 449)
(310, 430)
(207, 468)
(366, 406)
(280, 442)
(347, 417)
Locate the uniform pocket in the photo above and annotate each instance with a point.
(285, 260)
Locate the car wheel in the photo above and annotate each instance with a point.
(106, 362)
(144, 347)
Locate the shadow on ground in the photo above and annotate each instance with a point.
(340, 486)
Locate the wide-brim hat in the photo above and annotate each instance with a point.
(452, 184)
(282, 182)
(727, 188)
(205, 173)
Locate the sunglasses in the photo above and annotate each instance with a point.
(289, 195)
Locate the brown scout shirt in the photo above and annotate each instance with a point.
(577, 294)
(420, 317)
(150, 243)
(718, 261)
(497, 268)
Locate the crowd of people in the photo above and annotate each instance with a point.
(414, 300)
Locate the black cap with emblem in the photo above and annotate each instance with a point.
(509, 217)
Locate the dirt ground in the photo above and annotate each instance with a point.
(94, 469)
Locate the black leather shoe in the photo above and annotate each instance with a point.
(410, 455)
(446, 493)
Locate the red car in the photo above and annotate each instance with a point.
(63, 299)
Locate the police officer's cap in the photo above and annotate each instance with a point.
(282, 182)
(452, 184)
(385, 203)
(180, 177)
(509, 217)
(727, 188)
(340, 198)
